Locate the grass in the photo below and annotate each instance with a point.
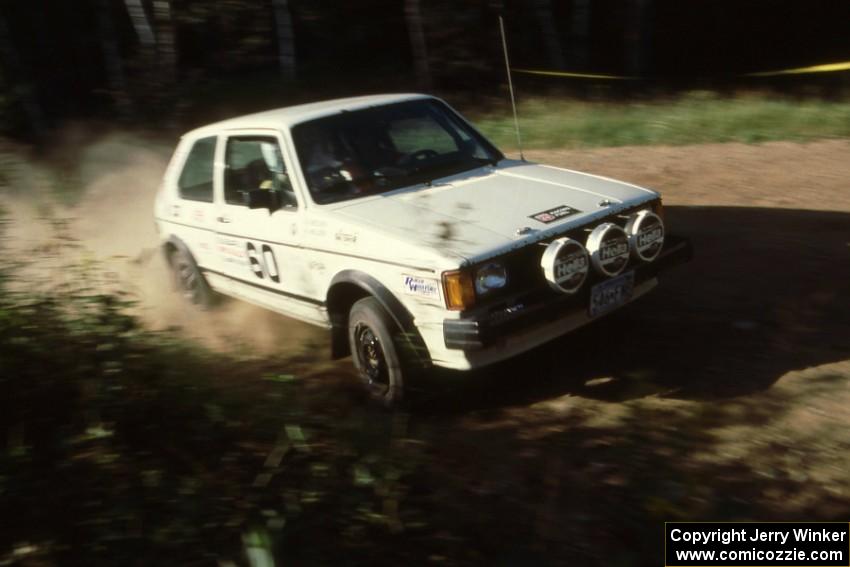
(117, 447)
(696, 118)
(124, 446)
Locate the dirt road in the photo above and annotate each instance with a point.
(723, 395)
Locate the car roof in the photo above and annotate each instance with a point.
(291, 115)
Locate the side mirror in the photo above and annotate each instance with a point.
(261, 199)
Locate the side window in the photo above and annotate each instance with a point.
(252, 163)
(196, 179)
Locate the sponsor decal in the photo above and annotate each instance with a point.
(346, 237)
(423, 287)
(649, 236)
(231, 251)
(568, 267)
(316, 228)
(613, 249)
(554, 214)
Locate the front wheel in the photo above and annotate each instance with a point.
(375, 354)
(189, 280)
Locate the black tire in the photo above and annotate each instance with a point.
(189, 280)
(374, 351)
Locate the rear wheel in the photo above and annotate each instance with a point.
(375, 354)
(189, 280)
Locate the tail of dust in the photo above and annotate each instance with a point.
(92, 201)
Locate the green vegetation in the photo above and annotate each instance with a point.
(700, 117)
(120, 445)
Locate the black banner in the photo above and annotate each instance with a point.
(758, 544)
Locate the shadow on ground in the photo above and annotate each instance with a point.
(765, 294)
(127, 447)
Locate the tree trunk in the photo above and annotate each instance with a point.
(579, 34)
(551, 39)
(112, 57)
(285, 38)
(141, 22)
(166, 49)
(416, 31)
(638, 37)
(21, 88)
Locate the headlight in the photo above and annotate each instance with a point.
(489, 277)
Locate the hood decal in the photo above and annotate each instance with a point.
(551, 215)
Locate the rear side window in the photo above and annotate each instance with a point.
(196, 179)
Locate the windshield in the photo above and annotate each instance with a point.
(379, 149)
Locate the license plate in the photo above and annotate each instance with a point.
(611, 294)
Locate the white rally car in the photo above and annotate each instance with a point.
(394, 223)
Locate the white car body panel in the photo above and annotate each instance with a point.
(410, 234)
(486, 207)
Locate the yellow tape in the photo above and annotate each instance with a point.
(827, 68)
(577, 75)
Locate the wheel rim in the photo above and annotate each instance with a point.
(187, 279)
(372, 359)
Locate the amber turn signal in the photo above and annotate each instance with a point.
(459, 290)
(658, 209)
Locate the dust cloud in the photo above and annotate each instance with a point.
(89, 204)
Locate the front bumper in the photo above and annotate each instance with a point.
(484, 327)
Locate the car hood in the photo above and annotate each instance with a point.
(489, 210)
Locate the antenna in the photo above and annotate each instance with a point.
(511, 86)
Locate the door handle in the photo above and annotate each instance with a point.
(224, 220)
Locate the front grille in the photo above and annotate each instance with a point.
(526, 281)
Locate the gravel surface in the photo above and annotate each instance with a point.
(723, 395)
